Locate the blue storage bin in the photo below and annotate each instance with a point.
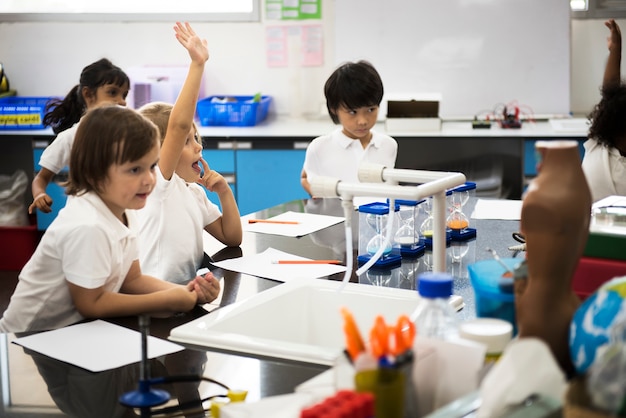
(242, 111)
(22, 112)
(494, 294)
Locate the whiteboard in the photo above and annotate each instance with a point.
(124, 10)
(475, 54)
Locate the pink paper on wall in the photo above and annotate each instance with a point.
(312, 46)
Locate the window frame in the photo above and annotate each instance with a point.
(601, 9)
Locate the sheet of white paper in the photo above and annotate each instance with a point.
(96, 346)
(308, 223)
(570, 125)
(262, 265)
(498, 209)
(610, 201)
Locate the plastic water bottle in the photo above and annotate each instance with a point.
(436, 318)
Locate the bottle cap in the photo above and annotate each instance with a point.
(435, 285)
(494, 333)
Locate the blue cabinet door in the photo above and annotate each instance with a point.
(59, 198)
(266, 178)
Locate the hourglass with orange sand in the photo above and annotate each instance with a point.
(458, 221)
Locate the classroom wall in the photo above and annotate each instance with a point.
(45, 58)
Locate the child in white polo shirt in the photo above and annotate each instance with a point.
(101, 83)
(177, 213)
(87, 262)
(353, 95)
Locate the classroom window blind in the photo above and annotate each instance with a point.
(135, 10)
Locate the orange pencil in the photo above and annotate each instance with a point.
(269, 221)
(306, 262)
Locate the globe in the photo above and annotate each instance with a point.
(591, 325)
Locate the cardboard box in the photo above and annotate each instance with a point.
(412, 116)
(578, 403)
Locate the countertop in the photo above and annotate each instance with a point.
(282, 126)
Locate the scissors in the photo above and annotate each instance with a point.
(391, 340)
(403, 336)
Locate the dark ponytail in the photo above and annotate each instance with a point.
(62, 114)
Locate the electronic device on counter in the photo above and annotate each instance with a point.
(510, 118)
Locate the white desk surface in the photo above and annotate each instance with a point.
(279, 126)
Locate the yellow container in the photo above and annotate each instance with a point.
(387, 386)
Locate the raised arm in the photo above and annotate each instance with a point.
(613, 63)
(183, 112)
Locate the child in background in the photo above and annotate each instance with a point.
(100, 83)
(353, 95)
(86, 264)
(604, 162)
(171, 237)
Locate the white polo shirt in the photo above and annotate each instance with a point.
(85, 245)
(57, 155)
(171, 224)
(605, 170)
(338, 156)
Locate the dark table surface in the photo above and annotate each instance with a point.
(32, 383)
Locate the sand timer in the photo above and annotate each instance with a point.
(458, 221)
(427, 222)
(407, 236)
(373, 224)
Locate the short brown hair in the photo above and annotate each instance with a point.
(107, 135)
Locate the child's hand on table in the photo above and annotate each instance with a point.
(207, 288)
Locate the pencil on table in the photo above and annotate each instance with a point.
(269, 221)
(306, 262)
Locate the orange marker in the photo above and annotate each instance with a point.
(379, 338)
(354, 342)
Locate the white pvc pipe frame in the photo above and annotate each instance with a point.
(380, 181)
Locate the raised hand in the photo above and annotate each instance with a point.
(614, 40)
(198, 48)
